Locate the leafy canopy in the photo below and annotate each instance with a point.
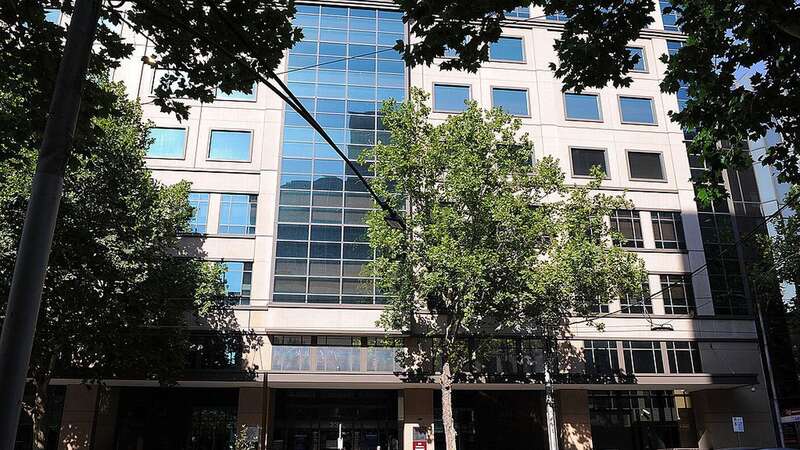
(493, 241)
(740, 63)
(196, 42)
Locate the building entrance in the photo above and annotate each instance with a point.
(494, 420)
(311, 420)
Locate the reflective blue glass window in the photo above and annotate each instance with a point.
(637, 110)
(512, 101)
(238, 278)
(507, 49)
(354, 68)
(167, 143)
(230, 145)
(641, 64)
(520, 12)
(52, 15)
(237, 95)
(582, 107)
(558, 16)
(450, 98)
(237, 214)
(199, 221)
(670, 19)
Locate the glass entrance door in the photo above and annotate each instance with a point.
(310, 420)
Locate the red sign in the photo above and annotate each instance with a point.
(420, 445)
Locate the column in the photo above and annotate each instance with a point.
(249, 413)
(77, 420)
(714, 409)
(576, 429)
(418, 414)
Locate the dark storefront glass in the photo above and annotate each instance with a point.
(494, 420)
(638, 420)
(310, 419)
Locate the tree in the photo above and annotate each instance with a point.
(739, 64)
(192, 40)
(117, 290)
(493, 243)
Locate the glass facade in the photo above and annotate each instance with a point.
(520, 12)
(341, 71)
(237, 214)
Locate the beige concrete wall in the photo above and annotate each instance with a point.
(575, 427)
(713, 410)
(418, 412)
(250, 411)
(78, 417)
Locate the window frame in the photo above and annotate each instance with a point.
(584, 147)
(665, 286)
(658, 359)
(247, 267)
(518, 89)
(647, 180)
(612, 349)
(521, 39)
(637, 97)
(596, 96)
(246, 226)
(218, 92)
(680, 234)
(695, 359)
(643, 59)
(433, 96)
(194, 212)
(635, 218)
(234, 130)
(185, 143)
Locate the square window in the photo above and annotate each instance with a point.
(668, 230)
(641, 64)
(584, 159)
(582, 107)
(238, 278)
(512, 101)
(645, 166)
(230, 145)
(167, 142)
(450, 98)
(237, 214)
(637, 110)
(237, 95)
(52, 15)
(507, 49)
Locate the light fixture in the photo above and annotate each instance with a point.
(662, 327)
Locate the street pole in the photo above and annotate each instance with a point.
(24, 298)
(549, 394)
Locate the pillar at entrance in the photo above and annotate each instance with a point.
(418, 413)
(576, 429)
(77, 419)
(249, 412)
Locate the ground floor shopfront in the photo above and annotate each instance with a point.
(302, 418)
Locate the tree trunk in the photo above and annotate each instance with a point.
(37, 413)
(447, 407)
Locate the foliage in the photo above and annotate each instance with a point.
(725, 39)
(490, 236)
(196, 41)
(493, 243)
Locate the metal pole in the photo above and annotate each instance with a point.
(30, 268)
(549, 395)
(766, 362)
